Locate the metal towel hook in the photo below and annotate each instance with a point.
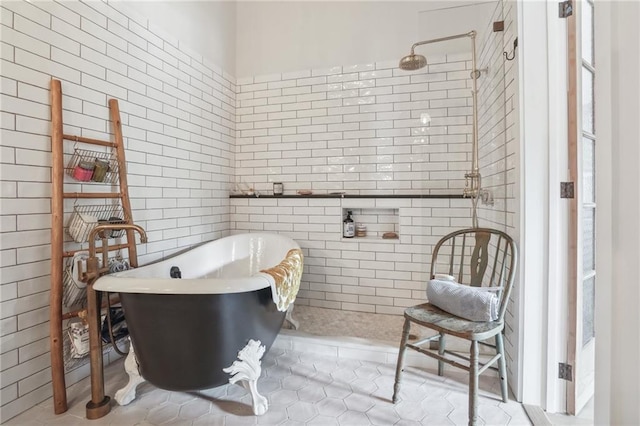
(511, 57)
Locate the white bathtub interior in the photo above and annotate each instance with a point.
(228, 265)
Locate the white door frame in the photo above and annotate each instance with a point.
(543, 215)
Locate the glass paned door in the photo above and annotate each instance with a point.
(583, 166)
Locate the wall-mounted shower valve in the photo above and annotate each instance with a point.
(486, 197)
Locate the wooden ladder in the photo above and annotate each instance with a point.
(99, 404)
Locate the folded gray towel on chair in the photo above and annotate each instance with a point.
(472, 303)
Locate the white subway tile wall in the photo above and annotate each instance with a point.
(498, 145)
(365, 129)
(178, 116)
(368, 274)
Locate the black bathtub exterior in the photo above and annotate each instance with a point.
(183, 341)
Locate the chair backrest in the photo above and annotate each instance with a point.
(479, 257)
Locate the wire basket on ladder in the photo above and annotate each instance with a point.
(85, 218)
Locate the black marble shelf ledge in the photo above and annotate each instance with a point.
(448, 196)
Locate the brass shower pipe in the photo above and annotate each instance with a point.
(413, 62)
(99, 405)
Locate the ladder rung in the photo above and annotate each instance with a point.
(71, 253)
(74, 314)
(92, 195)
(88, 140)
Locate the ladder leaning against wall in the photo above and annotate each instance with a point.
(101, 228)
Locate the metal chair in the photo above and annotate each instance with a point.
(479, 257)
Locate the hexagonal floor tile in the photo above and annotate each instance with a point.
(302, 411)
(326, 365)
(366, 372)
(406, 422)
(409, 410)
(294, 382)
(493, 415)
(248, 420)
(437, 419)
(303, 370)
(358, 402)
(338, 390)
(434, 390)
(331, 407)
(411, 393)
(163, 413)
(283, 397)
(311, 393)
(351, 418)
(381, 415)
(210, 420)
(437, 407)
(268, 384)
(343, 375)
(127, 415)
(323, 421)
(292, 423)
(152, 399)
(274, 416)
(459, 416)
(363, 386)
(213, 393)
(278, 372)
(287, 359)
(181, 397)
(194, 409)
(321, 379)
(349, 363)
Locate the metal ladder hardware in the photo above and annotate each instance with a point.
(99, 404)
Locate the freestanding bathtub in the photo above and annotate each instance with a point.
(229, 303)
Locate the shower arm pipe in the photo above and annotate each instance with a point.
(471, 34)
(475, 171)
(474, 188)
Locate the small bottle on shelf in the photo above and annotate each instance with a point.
(349, 229)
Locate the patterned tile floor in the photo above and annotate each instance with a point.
(308, 380)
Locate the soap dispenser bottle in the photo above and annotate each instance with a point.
(349, 228)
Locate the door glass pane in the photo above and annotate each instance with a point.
(588, 307)
(588, 240)
(588, 171)
(587, 100)
(587, 32)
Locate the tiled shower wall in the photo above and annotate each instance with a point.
(498, 145)
(178, 115)
(358, 274)
(363, 129)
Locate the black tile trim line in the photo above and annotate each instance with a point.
(455, 196)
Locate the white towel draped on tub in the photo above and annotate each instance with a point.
(472, 303)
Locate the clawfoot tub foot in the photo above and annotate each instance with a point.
(288, 317)
(247, 369)
(128, 393)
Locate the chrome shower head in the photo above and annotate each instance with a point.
(412, 62)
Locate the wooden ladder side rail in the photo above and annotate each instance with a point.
(114, 110)
(57, 241)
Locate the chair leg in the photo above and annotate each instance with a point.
(400, 364)
(473, 384)
(502, 367)
(441, 347)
